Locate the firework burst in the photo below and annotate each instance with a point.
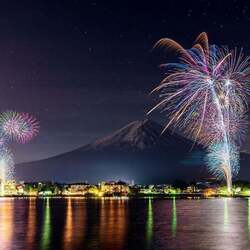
(218, 157)
(204, 96)
(20, 127)
(14, 127)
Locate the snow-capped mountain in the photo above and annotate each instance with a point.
(139, 135)
(137, 151)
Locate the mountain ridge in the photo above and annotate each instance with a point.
(136, 151)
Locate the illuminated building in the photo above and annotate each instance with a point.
(114, 188)
(209, 191)
(10, 188)
(94, 191)
(78, 189)
(20, 188)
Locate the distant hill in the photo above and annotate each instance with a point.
(137, 152)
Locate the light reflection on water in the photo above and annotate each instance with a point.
(46, 228)
(226, 220)
(109, 224)
(6, 222)
(112, 223)
(248, 221)
(74, 229)
(68, 229)
(174, 217)
(149, 226)
(31, 225)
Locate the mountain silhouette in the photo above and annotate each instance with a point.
(138, 151)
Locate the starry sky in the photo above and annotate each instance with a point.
(85, 68)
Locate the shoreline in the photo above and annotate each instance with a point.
(179, 196)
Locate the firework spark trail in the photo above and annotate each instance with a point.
(226, 165)
(6, 163)
(205, 96)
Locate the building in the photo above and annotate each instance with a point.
(113, 188)
(10, 188)
(78, 188)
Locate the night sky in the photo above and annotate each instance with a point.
(85, 68)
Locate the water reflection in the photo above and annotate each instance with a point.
(174, 217)
(46, 229)
(31, 227)
(74, 229)
(248, 216)
(6, 223)
(149, 225)
(121, 222)
(79, 225)
(117, 224)
(113, 224)
(68, 229)
(226, 219)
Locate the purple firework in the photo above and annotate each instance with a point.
(20, 127)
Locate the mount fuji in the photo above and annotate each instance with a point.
(137, 151)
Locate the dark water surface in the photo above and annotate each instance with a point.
(78, 223)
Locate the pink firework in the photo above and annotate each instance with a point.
(20, 127)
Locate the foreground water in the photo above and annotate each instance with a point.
(77, 223)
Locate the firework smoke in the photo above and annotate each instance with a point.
(204, 96)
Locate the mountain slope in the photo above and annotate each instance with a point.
(138, 134)
(137, 152)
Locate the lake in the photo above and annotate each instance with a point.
(80, 223)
